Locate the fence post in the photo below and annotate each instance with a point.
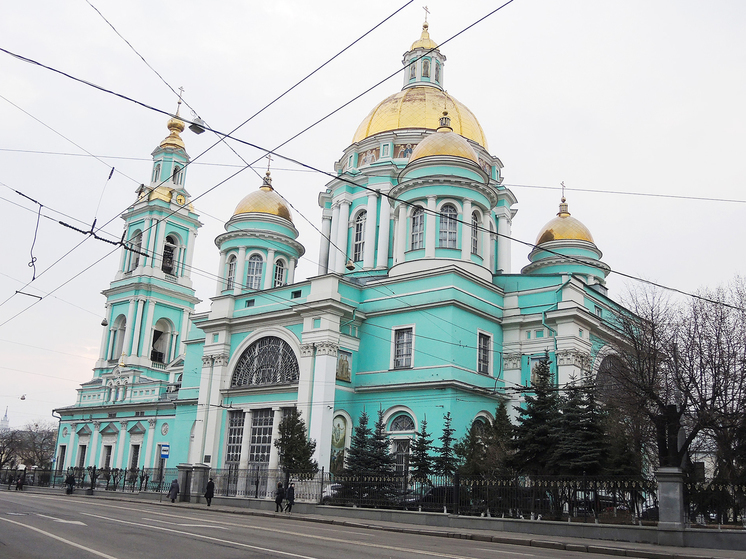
(670, 506)
(456, 492)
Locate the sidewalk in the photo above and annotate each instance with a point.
(623, 549)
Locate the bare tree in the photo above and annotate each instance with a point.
(9, 443)
(37, 443)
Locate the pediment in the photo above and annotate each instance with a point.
(137, 429)
(110, 429)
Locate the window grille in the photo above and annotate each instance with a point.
(267, 361)
(403, 348)
(235, 436)
(254, 276)
(483, 361)
(448, 226)
(168, 256)
(475, 233)
(231, 273)
(359, 242)
(279, 274)
(402, 423)
(261, 436)
(418, 228)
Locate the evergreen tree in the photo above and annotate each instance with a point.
(534, 440)
(382, 461)
(421, 462)
(445, 461)
(294, 448)
(471, 450)
(359, 460)
(499, 443)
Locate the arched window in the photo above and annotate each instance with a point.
(448, 224)
(117, 337)
(136, 245)
(279, 274)
(178, 175)
(156, 172)
(359, 241)
(267, 361)
(412, 71)
(426, 68)
(254, 275)
(231, 279)
(437, 72)
(161, 348)
(402, 423)
(475, 233)
(418, 228)
(170, 264)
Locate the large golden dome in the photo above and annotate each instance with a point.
(444, 142)
(420, 107)
(265, 201)
(564, 227)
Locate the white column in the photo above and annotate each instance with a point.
(148, 330)
(71, 447)
(371, 221)
(400, 239)
(292, 264)
(122, 263)
(158, 247)
(221, 274)
(305, 382)
(503, 244)
(139, 309)
(243, 462)
(324, 381)
(326, 228)
(269, 272)
(466, 231)
(189, 253)
(383, 233)
(120, 444)
(197, 450)
(127, 345)
(184, 330)
(174, 343)
(430, 238)
(487, 244)
(151, 441)
(342, 232)
(274, 454)
(105, 332)
(151, 229)
(92, 458)
(239, 275)
(333, 252)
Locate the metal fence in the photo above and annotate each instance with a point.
(715, 502)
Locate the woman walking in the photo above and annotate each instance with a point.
(290, 495)
(279, 497)
(173, 491)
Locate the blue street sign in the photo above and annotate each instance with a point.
(164, 450)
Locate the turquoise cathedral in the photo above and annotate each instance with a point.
(415, 309)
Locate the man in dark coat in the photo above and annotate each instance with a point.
(279, 497)
(209, 491)
(290, 496)
(173, 491)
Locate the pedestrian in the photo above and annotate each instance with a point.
(173, 491)
(290, 496)
(279, 497)
(209, 491)
(19, 483)
(70, 482)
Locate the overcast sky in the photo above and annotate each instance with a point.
(638, 106)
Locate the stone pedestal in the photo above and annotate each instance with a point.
(671, 515)
(200, 473)
(184, 477)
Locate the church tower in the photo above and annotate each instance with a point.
(149, 303)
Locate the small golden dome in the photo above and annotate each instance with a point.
(173, 140)
(160, 193)
(424, 42)
(564, 227)
(444, 142)
(420, 107)
(265, 201)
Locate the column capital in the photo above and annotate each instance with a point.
(327, 348)
(512, 361)
(124, 424)
(306, 350)
(151, 423)
(97, 425)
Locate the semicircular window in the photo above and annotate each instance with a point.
(402, 423)
(267, 361)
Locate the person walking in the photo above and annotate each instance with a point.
(70, 482)
(209, 491)
(290, 496)
(173, 491)
(279, 497)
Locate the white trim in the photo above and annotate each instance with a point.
(392, 359)
(400, 410)
(282, 333)
(491, 352)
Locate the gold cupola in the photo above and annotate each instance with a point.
(176, 126)
(564, 227)
(265, 201)
(424, 42)
(444, 142)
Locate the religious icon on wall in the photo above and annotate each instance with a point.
(344, 365)
(426, 68)
(403, 151)
(339, 434)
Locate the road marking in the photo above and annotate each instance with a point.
(58, 538)
(201, 525)
(78, 522)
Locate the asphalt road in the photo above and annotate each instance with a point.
(34, 525)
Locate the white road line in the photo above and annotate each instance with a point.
(201, 525)
(58, 538)
(78, 522)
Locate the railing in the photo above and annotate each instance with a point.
(715, 503)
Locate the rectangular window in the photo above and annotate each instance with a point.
(448, 227)
(111, 415)
(483, 357)
(475, 233)
(418, 229)
(358, 243)
(261, 436)
(317, 323)
(528, 334)
(295, 294)
(540, 333)
(139, 414)
(279, 274)
(580, 332)
(385, 150)
(231, 274)
(81, 456)
(107, 456)
(599, 312)
(135, 454)
(249, 303)
(235, 436)
(403, 348)
(61, 458)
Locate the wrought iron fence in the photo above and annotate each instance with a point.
(713, 502)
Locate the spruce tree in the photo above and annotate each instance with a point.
(359, 460)
(471, 451)
(534, 440)
(445, 461)
(422, 463)
(499, 443)
(382, 461)
(294, 448)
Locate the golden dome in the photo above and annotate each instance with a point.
(264, 201)
(424, 42)
(564, 227)
(160, 193)
(444, 142)
(420, 107)
(173, 140)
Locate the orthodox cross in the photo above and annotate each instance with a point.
(269, 161)
(181, 94)
(563, 188)
(426, 12)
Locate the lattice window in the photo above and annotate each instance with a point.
(403, 348)
(483, 360)
(402, 423)
(279, 274)
(359, 242)
(231, 273)
(261, 435)
(418, 228)
(254, 276)
(235, 435)
(448, 226)
(267, 361)
(475, 233)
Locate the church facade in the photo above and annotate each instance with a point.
(415, 309)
